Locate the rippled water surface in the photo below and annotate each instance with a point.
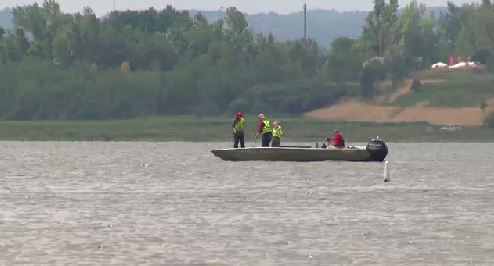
(174, 203)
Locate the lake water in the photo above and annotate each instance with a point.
(174, 203)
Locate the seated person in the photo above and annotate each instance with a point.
(277, 134)
(337, 141)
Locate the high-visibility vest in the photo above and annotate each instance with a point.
(277, 132)
(239, 126)
(267, 127)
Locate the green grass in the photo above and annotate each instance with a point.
(458, 90)
(188, 128)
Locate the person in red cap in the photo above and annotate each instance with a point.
(238, 131)
(337, 141)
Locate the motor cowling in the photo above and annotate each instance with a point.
(377, 149)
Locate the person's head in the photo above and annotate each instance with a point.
(336, 132)
(261, 117)
(277, 123)
(240, 115)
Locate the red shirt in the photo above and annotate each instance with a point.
(338, 140)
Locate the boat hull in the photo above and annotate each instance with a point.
(298, 154)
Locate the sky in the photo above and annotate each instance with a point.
(102, 7)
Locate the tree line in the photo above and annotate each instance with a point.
(55, 65)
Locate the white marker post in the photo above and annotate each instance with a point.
(387, 177)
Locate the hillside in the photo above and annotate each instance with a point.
(6, 19)
(443, 99)
(322, 25)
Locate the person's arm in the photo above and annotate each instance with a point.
(259, 129)
(233, 126)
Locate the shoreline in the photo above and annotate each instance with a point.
(286, 142)
(217, 129)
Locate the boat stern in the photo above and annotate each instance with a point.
(377, 149)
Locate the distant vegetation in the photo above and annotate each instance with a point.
(129, 64)
(75, 66)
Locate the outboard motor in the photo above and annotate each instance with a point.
(377, 149)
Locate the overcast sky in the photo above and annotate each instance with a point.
(250, 6)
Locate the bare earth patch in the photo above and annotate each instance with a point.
(355, 111)
(469, 116)
(490, 102)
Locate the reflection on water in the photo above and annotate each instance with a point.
(174, 203)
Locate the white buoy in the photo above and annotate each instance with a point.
(387, 176)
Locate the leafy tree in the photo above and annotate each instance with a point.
(450, 24)
(411, 29)
(420, 41)
(381, 29)
(235, 22)
(477, 33)
(344, 60)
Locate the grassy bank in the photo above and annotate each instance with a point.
(451, 90)
(187, 128)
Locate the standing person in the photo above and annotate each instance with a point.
(238, 131)
(337, 141)
(265, 130)
(277, 134)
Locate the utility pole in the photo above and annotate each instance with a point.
(221, 13)
(114, 5)
(305, 24)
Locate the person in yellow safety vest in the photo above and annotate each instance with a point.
(277, 134)
(265, 130)
(238, 131)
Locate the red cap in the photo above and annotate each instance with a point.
(239, 114)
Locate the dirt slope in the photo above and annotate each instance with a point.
(386, 110)
(355, 111)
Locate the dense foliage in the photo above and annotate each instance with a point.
(76, 66)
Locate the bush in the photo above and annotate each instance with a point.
(239, 105)
(40, 90)
(416, 85)
(484, 56)
(489, 121)
(371, 73)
